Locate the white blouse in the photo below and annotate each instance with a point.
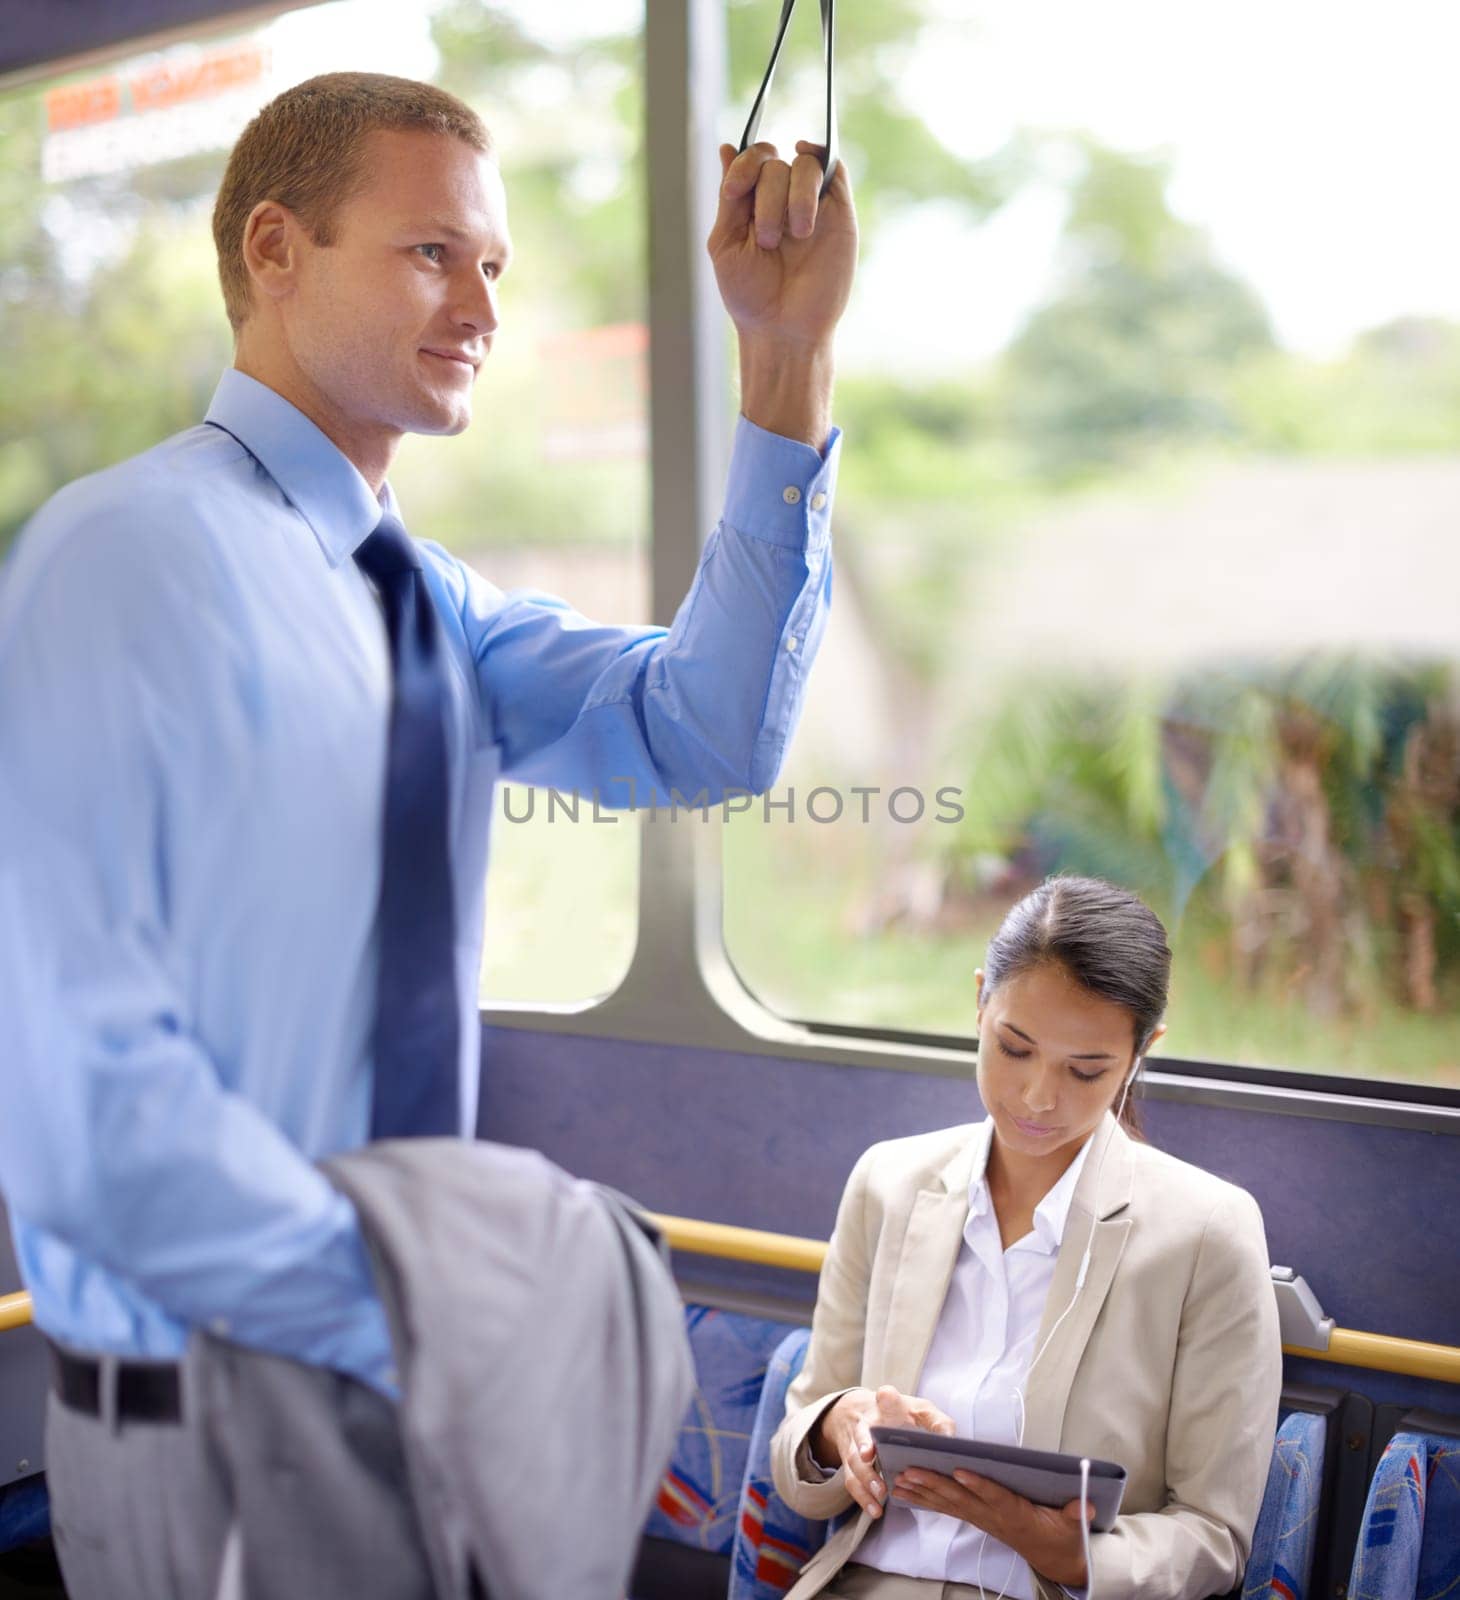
(975, 1370)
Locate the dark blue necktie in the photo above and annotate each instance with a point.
(415, 1039)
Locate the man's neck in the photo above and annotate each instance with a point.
(369, 450)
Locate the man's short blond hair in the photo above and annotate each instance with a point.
(306, 150)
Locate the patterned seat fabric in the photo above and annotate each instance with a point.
(772, 1542)
(1281, 1563)
(1409, 1543)
(699, 1497)
(1439, 1551)
(25, 1513)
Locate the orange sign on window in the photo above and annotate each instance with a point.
(169, 83)
(77, 104)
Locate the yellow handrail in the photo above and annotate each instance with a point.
(1379, 1352)
(741, 1244)
(14, 1311)
(1382, 1352)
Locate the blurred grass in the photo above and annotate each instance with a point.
(562, 917)
(801, 957)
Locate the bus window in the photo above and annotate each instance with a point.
(114, 332)
(1145, 563)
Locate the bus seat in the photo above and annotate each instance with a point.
(772, 1542)
(1287, 1525)
(1409, 1542)
(25, 1513)
(1439, 1551)
(698, 1503)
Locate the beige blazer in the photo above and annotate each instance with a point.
(1170, 1362)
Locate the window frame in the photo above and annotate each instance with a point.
(681, 988)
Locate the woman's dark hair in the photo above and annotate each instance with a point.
(1108, 940)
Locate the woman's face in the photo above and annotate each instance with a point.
(1052, 1059)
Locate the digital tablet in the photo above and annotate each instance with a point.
(1044, 1476)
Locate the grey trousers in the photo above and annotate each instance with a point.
(855, 1582)
(227, 1506)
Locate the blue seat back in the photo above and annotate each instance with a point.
(772, 1542)
(698, 1503)
(1281, 1562)
(25, 1513)
(1439, 1551)
(1409, 1542)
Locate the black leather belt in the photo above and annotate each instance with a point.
(147, 1391)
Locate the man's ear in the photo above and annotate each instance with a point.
(272, 247)
(978, 991)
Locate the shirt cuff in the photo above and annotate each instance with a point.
(780, 490)
(809, 1469)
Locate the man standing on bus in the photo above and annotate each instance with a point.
(249, 734)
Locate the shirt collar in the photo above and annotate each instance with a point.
(1050, 1215)
(322, 484)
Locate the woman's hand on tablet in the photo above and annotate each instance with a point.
(843, 1436)
(1048, 1539)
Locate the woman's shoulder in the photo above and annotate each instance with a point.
(1180, 1190)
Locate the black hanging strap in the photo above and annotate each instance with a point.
(828, 46)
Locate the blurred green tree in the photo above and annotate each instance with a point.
(1137, 345)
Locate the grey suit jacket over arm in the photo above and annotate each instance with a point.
(544, 1373)
(542, 1351)
(1169, 1360)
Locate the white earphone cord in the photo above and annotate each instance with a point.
(1019, 1393)
(1089, 1247)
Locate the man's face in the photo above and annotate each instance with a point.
(391, 322)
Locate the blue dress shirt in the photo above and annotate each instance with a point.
(194, 693)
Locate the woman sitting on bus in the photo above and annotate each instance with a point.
(1043, 1277)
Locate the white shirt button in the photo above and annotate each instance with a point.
(818, 501)
(792, 643)
(221, 1326)
(791, 495)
